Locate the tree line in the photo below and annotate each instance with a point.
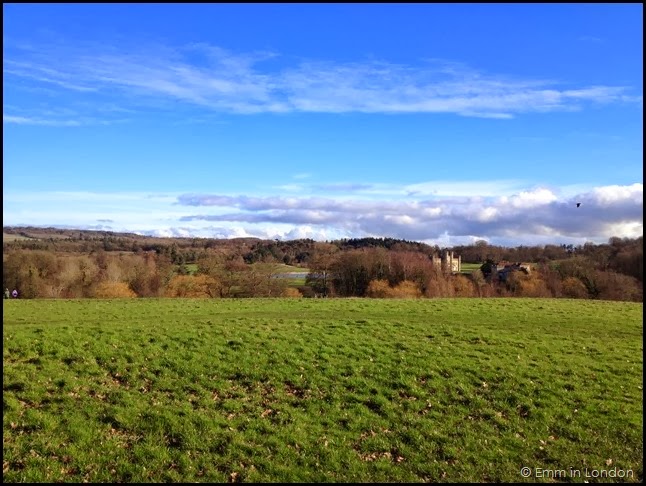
(622, 255)
(376, 272)
(79, 266)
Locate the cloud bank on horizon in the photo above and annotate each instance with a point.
(535, 216)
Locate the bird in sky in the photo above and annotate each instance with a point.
(578, 204)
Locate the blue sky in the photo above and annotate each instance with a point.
(438, 123)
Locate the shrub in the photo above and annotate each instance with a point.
(532, 286)
(379, 289)
(114, 290)
(200, 286)
(617, 286)
(463, 286)
(406, 290)
(438, 286)
(292, 293)
(307, 291)
(574, 288)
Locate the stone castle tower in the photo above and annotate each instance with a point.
(448, 262)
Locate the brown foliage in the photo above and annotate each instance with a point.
(630, 261)
(438, 286)
(199, 286)
(409, 265)
(616, 286)
(113, 290)
(574, 288)
(292, 293)
(462, 286)
(73, 264)
(522, 285)
(259, 280)
(379, 289)
(479, 282)
(552, 280)
(533, 286)
(406, 290)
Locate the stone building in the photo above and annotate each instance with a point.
(448, 262)
(504, 269)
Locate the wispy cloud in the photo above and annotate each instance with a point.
(22, 120)
(291, 187)
(484, 188)
(428, 188)
(343, 186)
(218, 80)
(57, 122)
(43, 74)
(590, 38)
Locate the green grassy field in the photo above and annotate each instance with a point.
(321, 390)
(296, 281)
(279, 268)
(282, 268)
(470, 267)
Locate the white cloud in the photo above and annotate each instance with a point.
(431, 212)
(399, 220)
(608, 195)
(291, 188)
(527, 216)
(529, 199)
(229, 82)
(605, 212)
(487, 214)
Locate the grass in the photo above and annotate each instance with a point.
(279, 268)
(295, 281)
(318, 390)
(8, 237)
(191, 267)
(470, 267)
(282, 268)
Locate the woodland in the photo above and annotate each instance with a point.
(62, 263)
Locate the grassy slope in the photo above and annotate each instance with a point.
(7, 237)
(282, 268)
(319, 390)
(470, 267)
